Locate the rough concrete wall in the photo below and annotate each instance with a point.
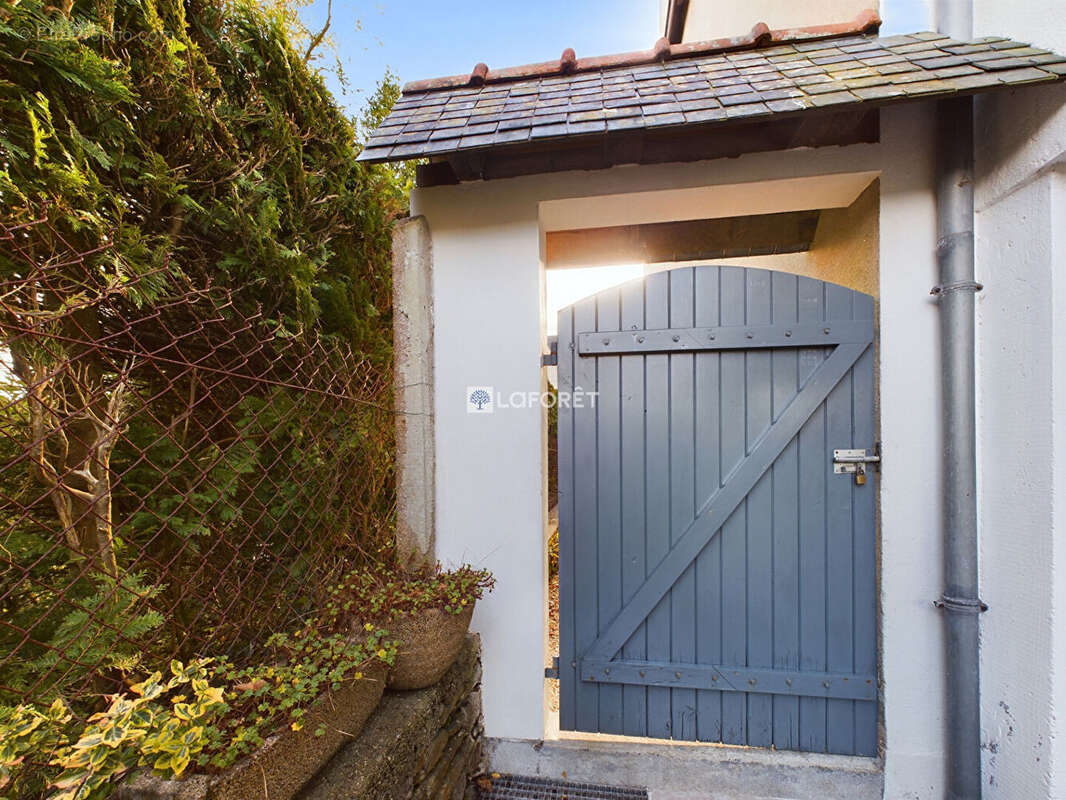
(845, 249)
(1020, 369)
(421, 745)
(1021, 260)
(412, 272)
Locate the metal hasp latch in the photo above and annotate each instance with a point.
(853, 462)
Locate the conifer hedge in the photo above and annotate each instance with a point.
(194, 134)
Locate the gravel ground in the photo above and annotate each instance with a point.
(552, 687)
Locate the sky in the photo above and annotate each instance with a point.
(429, 38)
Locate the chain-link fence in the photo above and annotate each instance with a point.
(177, 476)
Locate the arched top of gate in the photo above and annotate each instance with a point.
(716, 307)
(708, 280)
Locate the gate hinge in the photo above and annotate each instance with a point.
(553, 670)
(551, 359)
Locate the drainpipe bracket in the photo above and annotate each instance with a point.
(961, 605)
(956, 286)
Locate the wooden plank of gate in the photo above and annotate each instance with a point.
(760, 508)
(840, 717)
(634, 698)
(609, 484)
(785, 522)
(657, 444)
(734, 527)
(727, 500)
(585, 521)
(812, 578)
(568, 678)
(865, 556)
(735, 679)
(707, 481)
(682, 500)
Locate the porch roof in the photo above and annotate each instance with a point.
(766, 75)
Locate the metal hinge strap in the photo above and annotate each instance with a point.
(551, 359)
(553, 670)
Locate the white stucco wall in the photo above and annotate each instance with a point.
(487, 287)
(911, 551)
(1021, 260)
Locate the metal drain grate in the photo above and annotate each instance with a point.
(516, 787)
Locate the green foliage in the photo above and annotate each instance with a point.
(202, 717)
(152, 726)
(172, 144)
(28, 735)
(199, 138)
(266, 699)
(384, 594)
(104, 628)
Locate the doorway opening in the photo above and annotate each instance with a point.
(836, 245)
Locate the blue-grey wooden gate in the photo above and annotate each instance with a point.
(717, 579)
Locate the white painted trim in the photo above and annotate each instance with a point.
(707, 202)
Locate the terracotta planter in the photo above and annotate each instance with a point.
(286, 761)
(429, 642)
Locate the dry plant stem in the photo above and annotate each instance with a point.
(68, 396)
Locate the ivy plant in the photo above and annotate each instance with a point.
(201, 717)
(382, 595)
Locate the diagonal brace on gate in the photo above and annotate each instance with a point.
(724, 501)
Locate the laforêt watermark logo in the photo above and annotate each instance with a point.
(479, 399)
(485, 400)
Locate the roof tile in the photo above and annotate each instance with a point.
(705, 88)
(747, 110)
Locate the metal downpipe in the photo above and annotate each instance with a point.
(960, 602)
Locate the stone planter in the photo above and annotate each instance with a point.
(286, 761)
(429, 642)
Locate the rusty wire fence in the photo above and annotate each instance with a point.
(177, 477)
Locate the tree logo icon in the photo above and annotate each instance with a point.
(479, 399)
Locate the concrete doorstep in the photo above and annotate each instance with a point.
(692, 772)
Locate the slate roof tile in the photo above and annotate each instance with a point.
(704, 115)
(626, 123)
(755, 109)
(707, 88)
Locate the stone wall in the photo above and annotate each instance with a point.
(421, 745)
